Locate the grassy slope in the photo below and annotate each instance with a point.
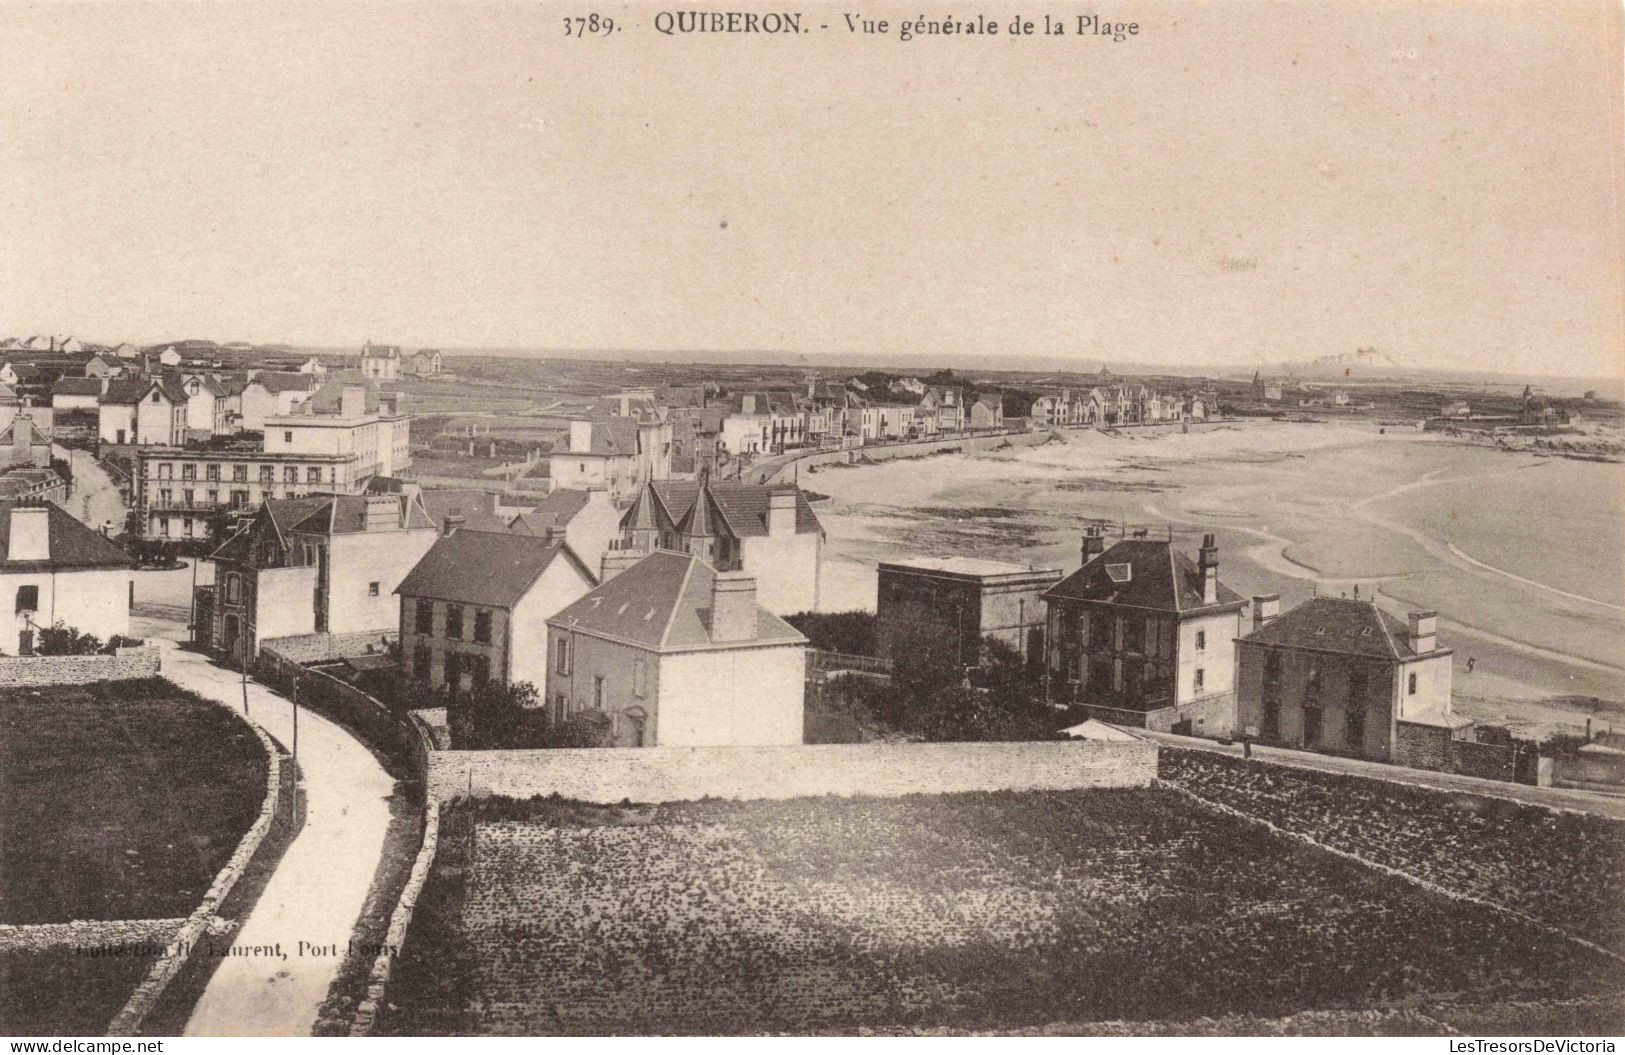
(980, 911)
(89, 774)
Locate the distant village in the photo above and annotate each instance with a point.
(649, 574)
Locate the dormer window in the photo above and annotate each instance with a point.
(1119, 572)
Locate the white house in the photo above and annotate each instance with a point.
(672, 653)
(56, 569)
(381, 362)
(312, 365)
(590, 520)
(143, 412)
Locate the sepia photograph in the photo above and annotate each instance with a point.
(625, 523)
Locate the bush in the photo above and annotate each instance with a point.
(850, 632)
(60, 640)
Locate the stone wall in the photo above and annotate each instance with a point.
(126, 935)
(319, 648)
(1432, 747)
(124, 665)
(128, 1021)
(1541, 864)
(671, 774)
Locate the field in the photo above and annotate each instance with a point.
(975, 912)
(119, 800)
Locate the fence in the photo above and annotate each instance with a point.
(820, 662)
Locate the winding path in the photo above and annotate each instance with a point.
(317, 891)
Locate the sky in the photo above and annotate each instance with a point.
(1240, 182)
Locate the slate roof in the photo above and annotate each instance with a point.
(743, 507)
(279, 381)
(1339, 624)
(72, 543)
(477, 508)
(132, 392)
(346, 514)
(1159, 578)
(77, 386)
(489, 568)
(330, 395)
(280, 514)
(560, 508)
(663, 602)
(611, 437)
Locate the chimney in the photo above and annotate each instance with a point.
(617, 559)
(353, 401)
(1094, 542)
(626, 405)
(452, 523)
(1265, 608)
(580, 437)
(1208, 562)
(747, 403)
(733, 607)
(781, 512)
(380, 513)
(22, 435)
(1424, 631)
(30, 532)
(554, 534)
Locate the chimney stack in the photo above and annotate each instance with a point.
(353, 401)
(380, 512)
(1265, 608)
(1208, 562)
(617, 559)
(781, 512)
(733, 607)
(22, 436)
(30, 537)
(452, 523)
(1424, 631)
(1094, 542)
(580, 437)
(554, 534)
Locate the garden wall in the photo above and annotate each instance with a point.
(128, 1021)
(319, 648)
(672, 774)
(125, 664)
(1431, 747)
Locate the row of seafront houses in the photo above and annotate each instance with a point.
(1142, 636)
(663, 622)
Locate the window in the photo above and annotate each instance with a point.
(1201, 640)
(239, 474)
(640, 678)
(166, 497)
(165, 471)
(313, 475)
(1311, 726)
(1199, 677)
(372, 589)
(214, 498)
(482, 626)
(560, 706)
(1410, 685)
(453, 666)
(424, 621)
(188, 497)
(287, 437)
(598, 691)
(234, 589)
(211, 472)
(267, 474)
(239, 499)
(290, 474)
(562, 656)
(1354, 734)
(188, 472)
(479, 669)
(1357, 685)
(454, 621)
(28, 598)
